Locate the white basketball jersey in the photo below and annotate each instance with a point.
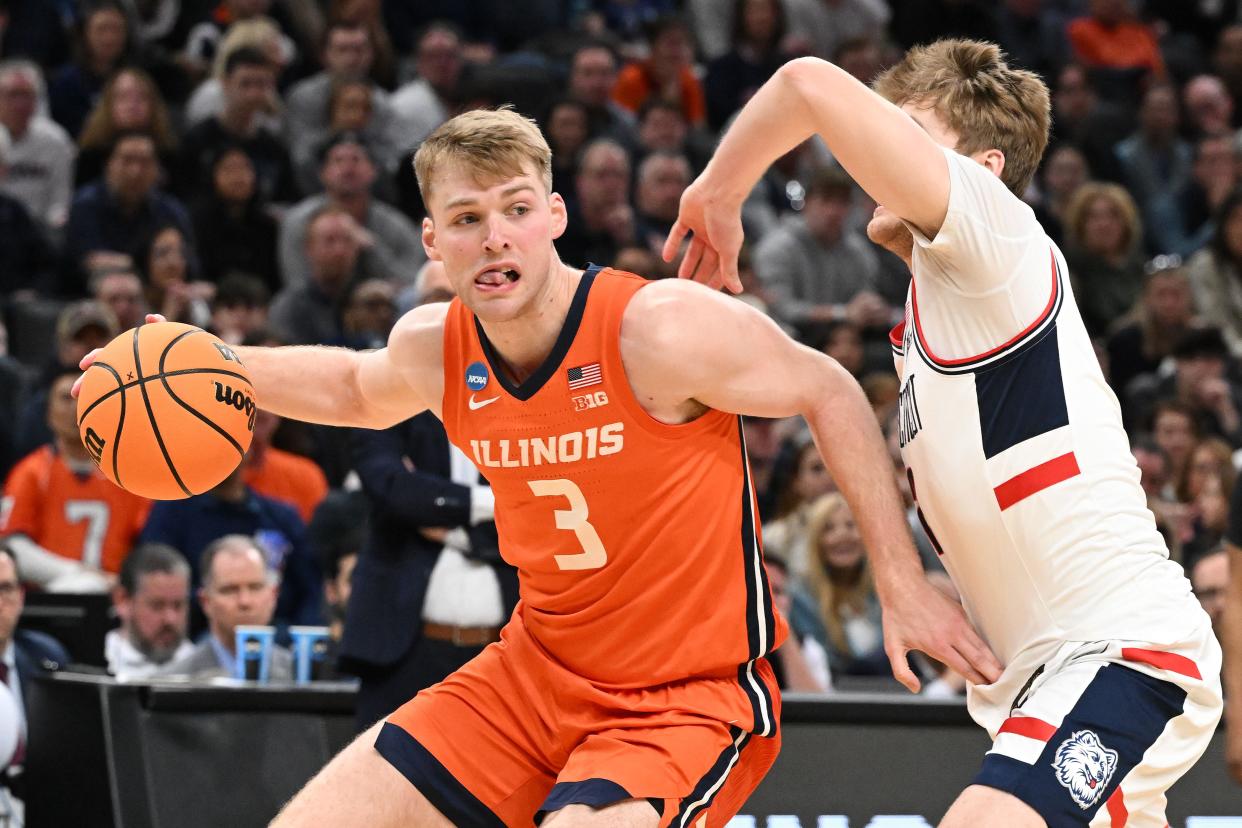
(1014, 445)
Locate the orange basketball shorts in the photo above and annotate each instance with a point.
(513, 736)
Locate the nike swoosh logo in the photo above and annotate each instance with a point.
(476, 405)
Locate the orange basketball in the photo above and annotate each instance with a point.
(166, 410)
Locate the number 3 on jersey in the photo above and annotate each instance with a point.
(573, 519)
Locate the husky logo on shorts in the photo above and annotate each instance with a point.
(1084, 767)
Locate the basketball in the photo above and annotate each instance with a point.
(166, 411)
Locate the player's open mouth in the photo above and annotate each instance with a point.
(497, 278)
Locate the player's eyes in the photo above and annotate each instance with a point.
(465, 218)
(519, 209)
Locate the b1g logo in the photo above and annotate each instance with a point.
(239, 399)
(584, 401)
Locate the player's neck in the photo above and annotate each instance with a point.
(524, 342)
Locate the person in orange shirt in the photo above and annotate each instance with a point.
(631, 685)
(668, 73)
(282, 474)
(1111, 37)
(68, 525)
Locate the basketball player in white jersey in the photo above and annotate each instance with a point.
(1012, 440)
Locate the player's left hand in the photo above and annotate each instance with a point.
(711, 257)
(922, 618)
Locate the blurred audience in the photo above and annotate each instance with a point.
(152, 602)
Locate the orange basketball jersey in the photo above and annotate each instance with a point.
(79, 515)
(637, 542)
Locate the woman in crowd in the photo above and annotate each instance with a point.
(798, 484)
(755, 55)
(1205, 487)
(1146, 337)
(101, 47)
(165, 267)
(1102, 247)
(839, 582)
(130, 102)
(243, 235)
(1216, 274)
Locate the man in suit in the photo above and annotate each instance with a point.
(24, 652)
(431, 554)
(238, 588)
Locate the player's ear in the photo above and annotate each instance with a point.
(429, 239)
(993, 159)
(560, 215)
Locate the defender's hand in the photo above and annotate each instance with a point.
(920, 617)
(711, 257)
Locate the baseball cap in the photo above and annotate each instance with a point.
(79, 316)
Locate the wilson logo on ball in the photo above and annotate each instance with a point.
(94, 445)
(238, 399)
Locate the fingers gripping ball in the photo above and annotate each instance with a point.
(166, 411)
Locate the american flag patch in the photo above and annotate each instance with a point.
(585, 375)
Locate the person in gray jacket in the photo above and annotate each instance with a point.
(238, 588)
(814, 268)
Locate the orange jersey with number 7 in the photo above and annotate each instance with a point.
(637, 542)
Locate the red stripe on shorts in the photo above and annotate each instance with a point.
(1172, 662)
(1028, 726)
(1117, 809)
(1035, 480)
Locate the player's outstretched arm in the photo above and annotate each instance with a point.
(1231, 642)
(343, 387)
(881, 147)
(685, 346)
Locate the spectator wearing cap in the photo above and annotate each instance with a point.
(40, 159)
(80, 328)
(249, 87)
(1203, 380)
(24, 255)
(118, 213)
(348, 54)
(814, 267)
(152, 602)
(392, 247)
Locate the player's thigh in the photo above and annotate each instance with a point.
(979, 806)
(629, 813)
(359, 789)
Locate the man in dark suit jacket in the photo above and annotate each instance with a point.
(26, 652)
(429, 591)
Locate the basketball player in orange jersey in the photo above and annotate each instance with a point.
(630, 686)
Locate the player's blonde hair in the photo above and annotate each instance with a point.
(977, 95)
(492, 144)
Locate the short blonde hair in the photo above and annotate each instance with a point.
(492, 144)
(977, 95)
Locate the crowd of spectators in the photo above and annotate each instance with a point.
(244, 165)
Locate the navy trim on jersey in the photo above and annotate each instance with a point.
(547, 369)
(760, 616)
(701, 796)
(598, 793)
(1124, 709)
(1021, 397)
(432, 779)
(1034, 331)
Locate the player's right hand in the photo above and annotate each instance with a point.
(711, 257)
(89, 359)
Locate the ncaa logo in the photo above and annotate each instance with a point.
(476, 376)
